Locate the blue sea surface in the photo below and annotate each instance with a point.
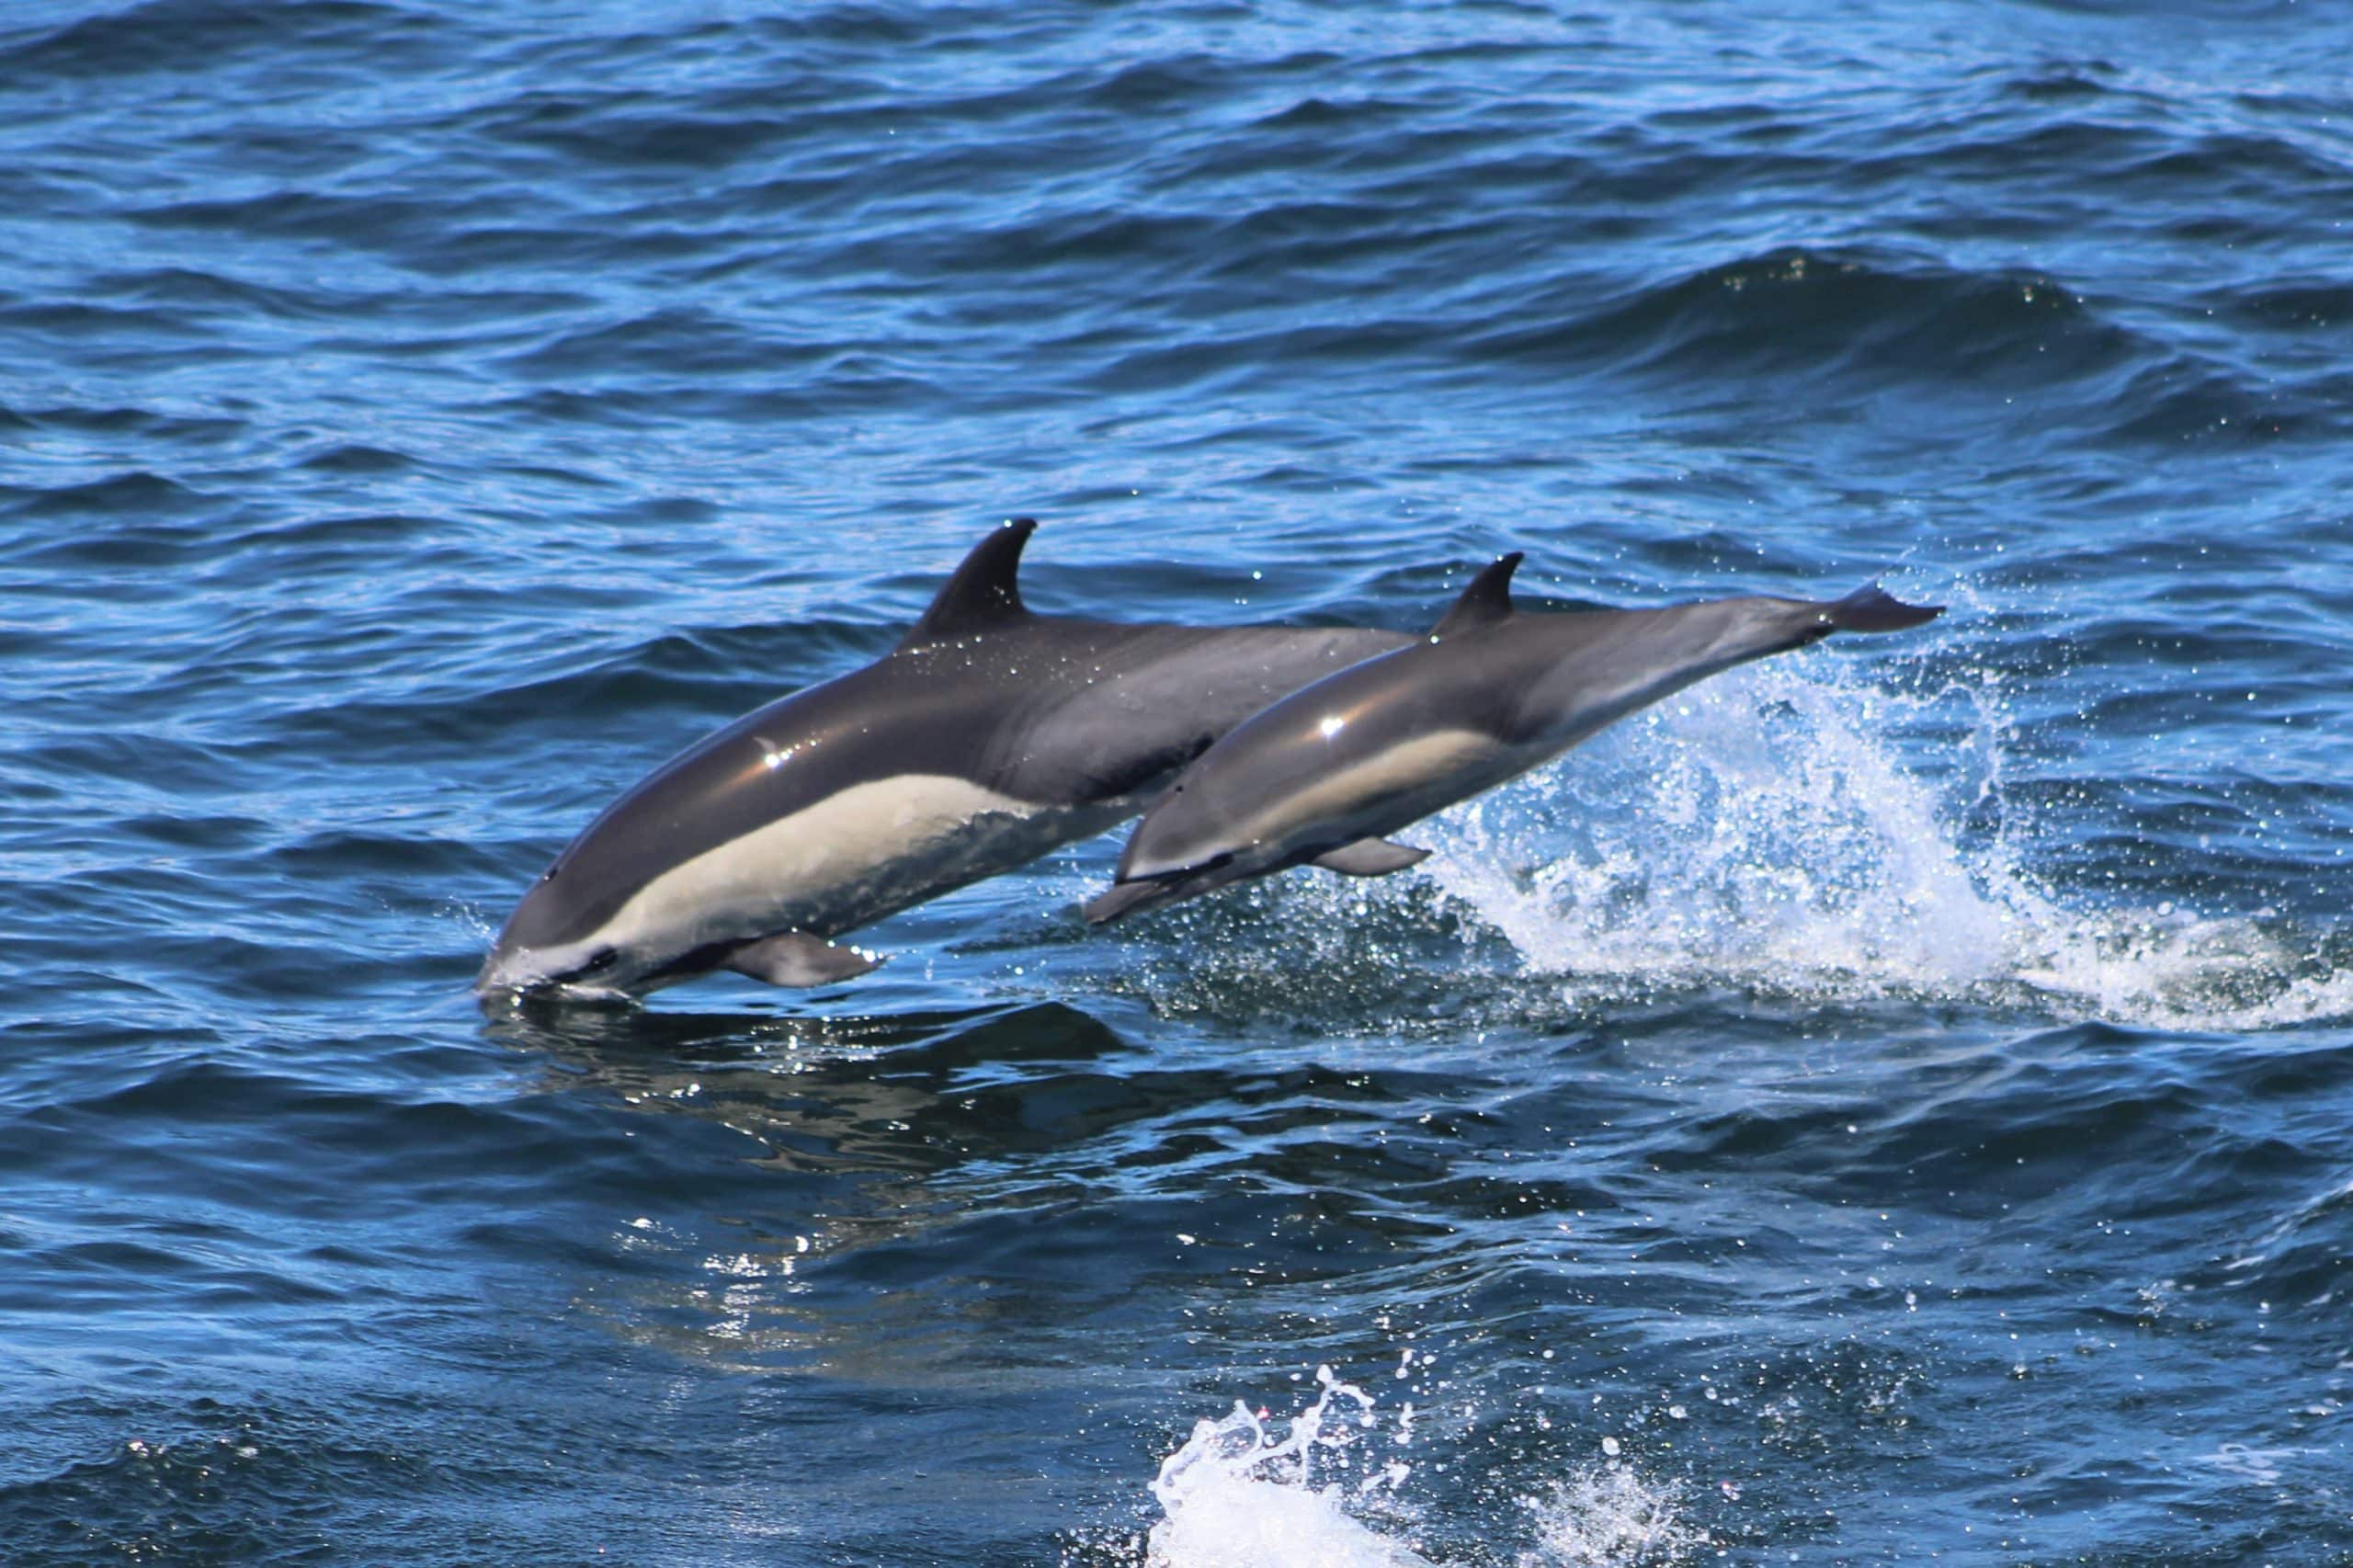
(1891, 1103)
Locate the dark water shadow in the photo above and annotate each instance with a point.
(917, 1093)
(959, 1112)
(929, 1190)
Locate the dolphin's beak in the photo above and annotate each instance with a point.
(507, 970)
(1125, 898)
(513, 964)
(513, 970)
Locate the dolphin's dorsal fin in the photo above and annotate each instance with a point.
(985, 591)
(1486, 601)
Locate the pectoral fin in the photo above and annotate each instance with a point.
(1371, 857)
(795, 958)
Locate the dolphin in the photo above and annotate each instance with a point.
(1323, 776)
(987, 737)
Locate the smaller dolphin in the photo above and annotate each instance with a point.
(1323, 776)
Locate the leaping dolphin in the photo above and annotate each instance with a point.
(987, 737)
(1326, 774)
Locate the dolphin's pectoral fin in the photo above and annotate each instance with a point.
(795, 958)
(1371, 857)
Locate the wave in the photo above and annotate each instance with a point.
(1796, 307)
(165, 35)
(1877, 320)
(1980, 345)
(134, 494)
(226, 1496)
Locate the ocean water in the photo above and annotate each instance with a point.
(1890, 1104)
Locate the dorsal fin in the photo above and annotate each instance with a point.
(1486, 601)
(985, 591)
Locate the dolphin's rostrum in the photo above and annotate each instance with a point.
(1326, 774)
(987, 737)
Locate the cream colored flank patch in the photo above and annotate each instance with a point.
(839, 842)
(1413, 766)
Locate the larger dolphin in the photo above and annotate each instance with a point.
(1323, 775)
(987, 737)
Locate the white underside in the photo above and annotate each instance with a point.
(835, 845)
(853, 856)
(1379, 794)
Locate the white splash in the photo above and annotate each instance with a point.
(1758, 832)
(1329, 1492)
(1237, 1497)
(1609, 1517)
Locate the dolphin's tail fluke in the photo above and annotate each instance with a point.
(1873, 608)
